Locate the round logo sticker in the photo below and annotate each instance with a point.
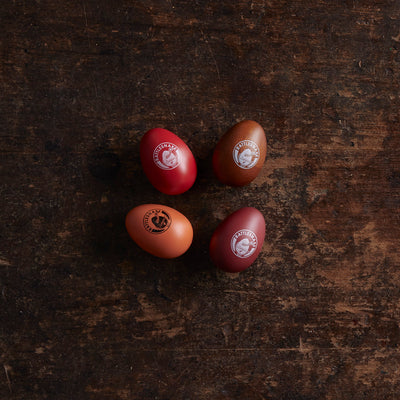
(166, 156)
(246, 154)
(156, 221)
(244, 243)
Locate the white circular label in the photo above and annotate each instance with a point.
(166, 156)
(246, 154)
(243, 243)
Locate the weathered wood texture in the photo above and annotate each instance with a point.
(85, 314)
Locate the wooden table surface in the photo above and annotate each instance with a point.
(86, 314)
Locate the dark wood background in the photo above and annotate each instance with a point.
(85, 314)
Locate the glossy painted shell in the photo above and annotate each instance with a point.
(240, 154)
(238, 240)
(159, 230)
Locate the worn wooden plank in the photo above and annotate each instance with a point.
(85, 314)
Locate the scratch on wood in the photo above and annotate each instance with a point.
(6, 368)
(396, 38)
(86, 23)
(212, 53)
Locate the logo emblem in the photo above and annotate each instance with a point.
(246, 154)
(166, 156)
(243, 243)
(156, 221)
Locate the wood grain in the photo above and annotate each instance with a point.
(85, 314)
